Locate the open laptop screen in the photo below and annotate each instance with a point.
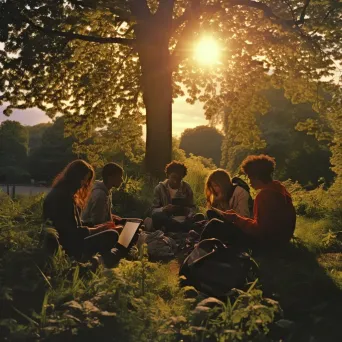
(128, 232)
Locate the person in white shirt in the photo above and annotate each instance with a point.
(221, 193)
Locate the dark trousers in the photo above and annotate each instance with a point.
(226, 232)
(164, 221)
(100, 243)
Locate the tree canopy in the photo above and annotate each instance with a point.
(13, 151)
(91, 60)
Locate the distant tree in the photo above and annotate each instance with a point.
(120, 141)
(35, 135)
(13, 151)
(299, 156)
(55, 152)
(202, 141)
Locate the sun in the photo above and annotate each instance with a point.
(207, 51)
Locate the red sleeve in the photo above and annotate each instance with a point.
(262, 218)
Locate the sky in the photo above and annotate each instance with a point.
(184, 116)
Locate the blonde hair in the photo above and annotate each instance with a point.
(223, 180)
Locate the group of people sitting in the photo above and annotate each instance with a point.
(81, 209)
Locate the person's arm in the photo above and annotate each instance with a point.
(191, 208)
(65, 220)
(262, 217)
(241, 203)
(157, 205)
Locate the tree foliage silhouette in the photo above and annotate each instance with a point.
(91, 60)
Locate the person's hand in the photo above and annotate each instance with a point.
(229, 215)
(116, 218)
(169, 208)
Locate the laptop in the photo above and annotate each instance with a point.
(129, 230)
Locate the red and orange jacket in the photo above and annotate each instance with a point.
(274, 216)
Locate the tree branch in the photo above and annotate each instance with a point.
(71, 36)
(302, 14)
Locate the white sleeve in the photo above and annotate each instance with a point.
(240, 202)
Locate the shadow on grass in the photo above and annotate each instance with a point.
(306, 292)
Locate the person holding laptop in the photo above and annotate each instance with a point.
(173, 204)
(61, 210)
(99, 207)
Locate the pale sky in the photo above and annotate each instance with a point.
(184, 116)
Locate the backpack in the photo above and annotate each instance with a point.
(215, 269)
(237, 181)
(159, 246)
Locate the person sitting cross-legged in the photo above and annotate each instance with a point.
(179, 215)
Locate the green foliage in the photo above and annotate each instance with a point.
(54, 298)
(54, 154)
(13, 151)
(35, 136)
(91, 59)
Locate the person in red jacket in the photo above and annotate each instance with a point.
(274, 218)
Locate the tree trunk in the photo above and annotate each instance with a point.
(158, 103)
(156, 84)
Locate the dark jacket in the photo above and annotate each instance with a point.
(162, 196)
(99, 207)
(60, 208)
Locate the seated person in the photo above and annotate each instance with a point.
(99, 207)
(165, 215)
(62, 208)
(274, 218)
(222, 194)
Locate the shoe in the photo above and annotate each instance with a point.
(112, 258)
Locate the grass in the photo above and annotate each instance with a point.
(51, 299)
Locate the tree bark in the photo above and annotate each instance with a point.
(158, 102)
(153, 34)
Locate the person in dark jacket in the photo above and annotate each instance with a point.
(99, 207)
(165, 215)
(62, 207)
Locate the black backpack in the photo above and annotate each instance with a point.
(214, 268)
(237, 181)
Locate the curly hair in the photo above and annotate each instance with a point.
(176, 167)
(222, 178)
(71, 179)
(260, 167)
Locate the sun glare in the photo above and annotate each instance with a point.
(207, 51)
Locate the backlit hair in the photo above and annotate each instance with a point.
(260, 167)
(71, 179)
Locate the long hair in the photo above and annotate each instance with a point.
(223, 180)
(71, 179)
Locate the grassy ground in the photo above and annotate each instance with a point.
(50, 299)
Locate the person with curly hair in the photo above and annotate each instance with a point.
(167, 214)
(274, 218)
(62, 208)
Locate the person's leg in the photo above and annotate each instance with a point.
(100, 243)
(160, 219)
(224, 231)
(212, 214)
